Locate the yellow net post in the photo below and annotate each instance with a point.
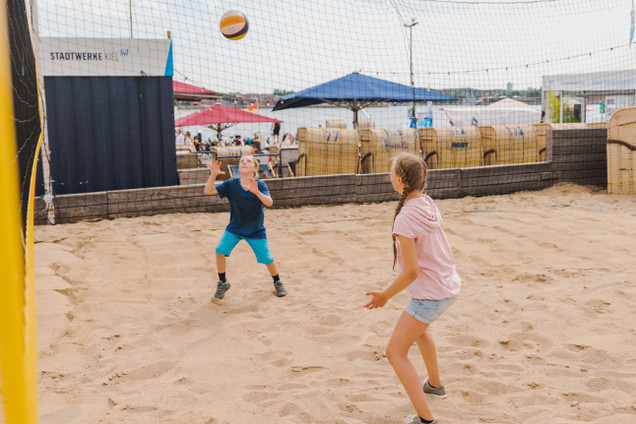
(17, 353)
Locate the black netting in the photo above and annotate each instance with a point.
(470, 85)
(25, 95)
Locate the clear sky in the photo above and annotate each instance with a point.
(294, 44)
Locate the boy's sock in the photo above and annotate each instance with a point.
(426, 421)
(222, 276)
(276, 277)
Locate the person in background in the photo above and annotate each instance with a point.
(276, 132)
(198, 144)
(188, 139)
(208, 144)
(290, 136)
(179, 140)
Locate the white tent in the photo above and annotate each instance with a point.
(508, 103)
(503, 112)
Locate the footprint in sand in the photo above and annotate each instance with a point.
(370, 355)
(263, 394)
(588, 354)
(583, 397)
(242, 310)
(281, 359)
(146, 372)
(468, 341)
(599, 306)
(531, 342)
(330, 320)
(304, 369)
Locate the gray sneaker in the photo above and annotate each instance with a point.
(414, 419)
(280, 289)
(439, 392)
(221, 288)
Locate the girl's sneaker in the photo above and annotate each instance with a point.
(414, 419)
(439, 392)
(221, 288)
(280, 289)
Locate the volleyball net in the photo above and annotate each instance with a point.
(466, 84)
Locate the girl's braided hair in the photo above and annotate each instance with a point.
(412, 170)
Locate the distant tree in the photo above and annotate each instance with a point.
(533, 92)
(280, 92)
(554, 106)
(554, 109)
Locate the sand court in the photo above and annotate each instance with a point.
(544, 329)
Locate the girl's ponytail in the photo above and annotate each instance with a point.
(412, 170)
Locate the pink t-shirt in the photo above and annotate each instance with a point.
(420, 219)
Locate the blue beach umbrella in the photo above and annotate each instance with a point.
(356, 91)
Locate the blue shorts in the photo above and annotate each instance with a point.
(427, 311)
(260, 247)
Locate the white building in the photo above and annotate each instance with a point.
(615, 90)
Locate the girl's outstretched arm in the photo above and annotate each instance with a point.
(406, 277)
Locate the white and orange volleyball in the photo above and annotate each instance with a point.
(234, 25)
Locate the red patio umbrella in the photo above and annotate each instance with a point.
(219, 118)
(183, 91)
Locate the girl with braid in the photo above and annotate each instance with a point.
(427, 273)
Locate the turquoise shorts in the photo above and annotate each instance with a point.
(427, 311)
(260, 247)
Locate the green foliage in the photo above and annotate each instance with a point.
(279, 92)
(554, 109)
(554, 106)
(568, 114)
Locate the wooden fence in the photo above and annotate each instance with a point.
(576, 156)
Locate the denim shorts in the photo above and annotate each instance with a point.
(428, 311)
(260, 247)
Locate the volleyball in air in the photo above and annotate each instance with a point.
(234, 25)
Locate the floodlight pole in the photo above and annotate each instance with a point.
(410, 27)
(131, 26)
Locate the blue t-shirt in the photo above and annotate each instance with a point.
(246, 210)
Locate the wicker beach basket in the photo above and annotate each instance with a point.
(336, 123)
(231, 155)
(504, 144)
(365, 123)
(273, 149)
(379, 146)
(621, 152)
(327, 151)
(597, 125)
(454, 147)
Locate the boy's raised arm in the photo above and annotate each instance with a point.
(253, 187)
(215, 170)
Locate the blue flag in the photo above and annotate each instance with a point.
(474, 122)
(631, 30)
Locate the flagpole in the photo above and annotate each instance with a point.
(631, 29)
(131, 22)
(410, 27)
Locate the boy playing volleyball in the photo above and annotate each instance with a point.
(246, 195)
(427, 272)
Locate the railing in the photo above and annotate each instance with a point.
(282, 163)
